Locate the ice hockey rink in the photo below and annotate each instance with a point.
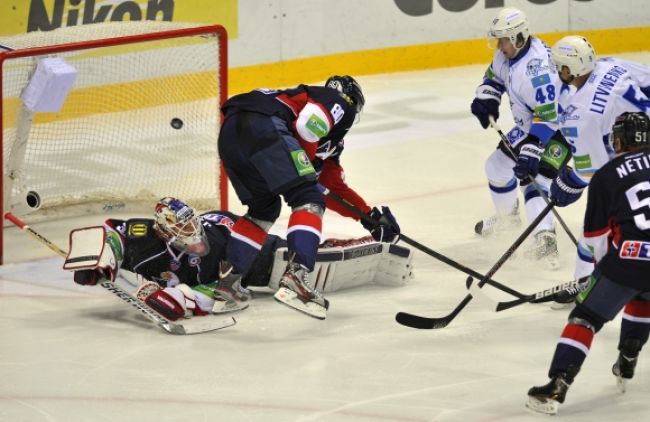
(72, 353)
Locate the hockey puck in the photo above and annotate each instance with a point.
(176, 123)
(33, 199)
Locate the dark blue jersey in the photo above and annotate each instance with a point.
(617, 219)
(315, 114)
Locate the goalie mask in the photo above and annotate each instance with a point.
(178, 224)
(630, 130)
(350, 89)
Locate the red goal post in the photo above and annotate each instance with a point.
(137, 119)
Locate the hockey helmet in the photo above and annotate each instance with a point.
(574, 52)
(350, 89)
(178, 224)
(510, 23)
(630, 130)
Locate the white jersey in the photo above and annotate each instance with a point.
(532, 85)
(588, 114)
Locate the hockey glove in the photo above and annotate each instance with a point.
(88, 277)
(385, 228)
(566, 188)
(530, 152)
(486, 104)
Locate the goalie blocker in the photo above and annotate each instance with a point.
(187, 281)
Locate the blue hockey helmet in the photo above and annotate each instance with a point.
(350, 89)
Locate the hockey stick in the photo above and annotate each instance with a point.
(427, 250)
(420, 322)
(545, 295)
(162, 322)
(536, 185)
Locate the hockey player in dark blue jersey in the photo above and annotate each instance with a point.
(286, 144)
(181, 256)
(617, 228)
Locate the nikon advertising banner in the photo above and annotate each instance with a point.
(20, 16)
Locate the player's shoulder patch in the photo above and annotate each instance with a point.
(541, 80)
(220, 218)
(138, 227)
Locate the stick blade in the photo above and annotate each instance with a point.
(198, 325)
(420, 322)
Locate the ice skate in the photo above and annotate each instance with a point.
(545, 249)
(547, 398)
(624, 366)
(498, 222)
(229, 295)
(296, 292)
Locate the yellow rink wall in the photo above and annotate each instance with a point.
(414, 57)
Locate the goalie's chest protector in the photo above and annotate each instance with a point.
(146, 254)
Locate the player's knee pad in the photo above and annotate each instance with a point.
(305, 193)
(312, 208)
(263, 224)
(498, 169)
(581, 316)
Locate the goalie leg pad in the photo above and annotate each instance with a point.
(344, 264)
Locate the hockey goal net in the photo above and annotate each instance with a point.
(137, 118)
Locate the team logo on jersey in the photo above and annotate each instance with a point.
(635, 249)
(317, 126)
(535, 67)
(219, 219)
(569, 113)
(302, 163)
(137, 229)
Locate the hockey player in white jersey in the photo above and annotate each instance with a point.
(600, 90)
(521, 68)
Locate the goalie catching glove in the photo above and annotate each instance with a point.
(384, 227)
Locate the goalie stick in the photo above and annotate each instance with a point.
(202, 325)
(427, 250)
(420, 322)
(536, 185)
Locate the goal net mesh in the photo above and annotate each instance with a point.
(140, 122)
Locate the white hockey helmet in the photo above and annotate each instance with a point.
(574, 52)
(510, 23)
(178, 223)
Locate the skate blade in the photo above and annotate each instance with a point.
(621, 383)
(226, 306)
(556, 306)
(547, 407)
(290, 298)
